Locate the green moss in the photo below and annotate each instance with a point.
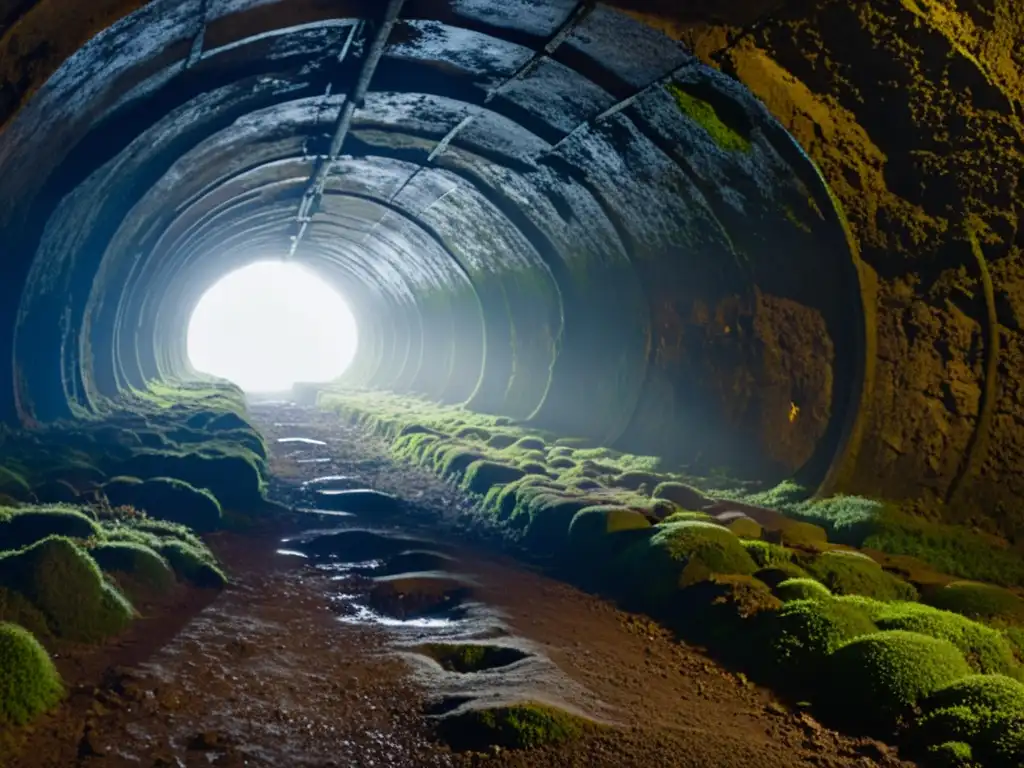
(234, 479)
(473, 433)
(984, 648)
(806, 632)
(745, 528)
(725, 612)
(530, 444)
(561, 463)
(192, 564)
(774, 575)
(471, 657)
(685, 515)
(801, 589)
(1001, 743)
(685, 496)
(986, 602)
(27, 525)
(138, 562)
(15, 608)
(796, 533)
(980, 693)
(680, 554)
(482, 475)
(705, 115)
(168, 499)
(851, 574)
(516, 726)
(65, 584)
(881, 677)
(766, 554)
(29, 682)
(952, 754)
(595, 533)
(501, 440)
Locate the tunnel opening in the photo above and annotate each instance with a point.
(270, 324)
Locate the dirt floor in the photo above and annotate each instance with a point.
(295, 664)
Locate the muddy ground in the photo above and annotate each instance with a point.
(295, 664)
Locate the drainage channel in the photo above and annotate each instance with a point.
(416, 588)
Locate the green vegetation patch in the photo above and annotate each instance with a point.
(706, 116)
(801, 589)
(516, 726)
(881, 677)
(138, 562)
(66, 586)
(597, 533)
(852, 574)
(805, 632)
(681, 554)
(483, 475)
(985, 602)
(26, 525)
(29, 682)
(193, 564)
(168, 499)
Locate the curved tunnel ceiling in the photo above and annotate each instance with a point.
(542, 209)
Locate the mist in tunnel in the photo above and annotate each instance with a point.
(271, 324)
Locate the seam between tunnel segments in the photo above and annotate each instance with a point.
(196, 52)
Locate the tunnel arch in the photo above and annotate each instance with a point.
(527, 220)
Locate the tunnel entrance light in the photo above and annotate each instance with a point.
(271, 324)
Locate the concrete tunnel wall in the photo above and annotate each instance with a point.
(545, 210)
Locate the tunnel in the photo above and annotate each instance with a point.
(626, 248)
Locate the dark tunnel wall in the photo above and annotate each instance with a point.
(544, 210)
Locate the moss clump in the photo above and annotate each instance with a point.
(952, 754)
(984, 648)
(457, 461)
(801, 589)
(684, 515)
(850, 574)
(802, 535)
(706, 116)
(806, 632)
(29, 682)
(985, 602)
(501, 440)
(780, 572)
(484, 475)
(745, 527)
(15, 608)
(516, 726)
(766, 554)
(192, 564)
(65, 584)
(561, 463)
(529, 444)
(473, 433)
(27, 525)
(234, 478)
(685, 496)
(635, 480)
(595, 533)
(167, 499)
(989, 693)
(722, 611)
(138, 562)
(881, 677)
(681, 554)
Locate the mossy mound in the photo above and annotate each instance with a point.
(879, 678)
(952, 754)
(801, 535)
(780, 572)
(743, 526)
(473, 433)
(501, 440)
(680, 554)
(766, 554)
(685, 496)
(725, 611)
(992, 693)
(168, 499)
(140, 564)
(17, 609)
(805, 632)
(65, 584)
(984, 648)
(635, 480)
(850, 574)
(685, 515)
(235, 480)
(599, 532)
(985, 602)
(529, 444)
(516, 726)
(26, 525)
(801, 589)
(193, 564)
(29, 682)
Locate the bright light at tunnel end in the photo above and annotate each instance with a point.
(271, 324)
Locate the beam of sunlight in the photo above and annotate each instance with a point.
(271, 324)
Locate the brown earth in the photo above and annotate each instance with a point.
(266, 674)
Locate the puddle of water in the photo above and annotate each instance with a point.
(329, 480)
(365, 565)
(303, 440)
(329, 512)
(363, 615)
(339, 491)
(312, 461)
(292, 553)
